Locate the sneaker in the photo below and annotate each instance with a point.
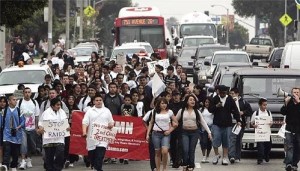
(203, 159)
(126, 161)
(232, 160)
(289, 167)
(107, 160)
(216, 159)
(259, 161)
(28, 163)
(22, 165)
(113, 161)
(237, 160)
(3, 167)
(121, 161)
(67, 164)
(224, 162)
(71, 165)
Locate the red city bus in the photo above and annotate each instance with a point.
(141, 24)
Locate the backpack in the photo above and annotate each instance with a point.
(4, 116)
(198, 122)
(21, 100)
(83, 101)
(257, 112)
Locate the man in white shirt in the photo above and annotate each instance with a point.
(30, 110)
(103, 116)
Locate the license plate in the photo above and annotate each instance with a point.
(277, 140)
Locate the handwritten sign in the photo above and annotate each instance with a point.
(101, 133)
(263, 130)
(18, 94)
(164, 63)
(121, 59)
(56, 129)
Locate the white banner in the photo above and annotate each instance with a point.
(158, 86)
(102, 134)
(56, 129)
(164, 63)
(263, 130)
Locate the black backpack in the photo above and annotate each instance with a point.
(257, 112)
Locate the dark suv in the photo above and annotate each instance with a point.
(202, 52)
(254, 83)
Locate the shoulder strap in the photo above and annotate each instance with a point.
(45, 104)
(33, 101)
(83, 101)
(3, 118)
(269, 113)
(257, 112)
(20, 102)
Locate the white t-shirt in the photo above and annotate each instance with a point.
(102, 116)
(30, 111)
(208, 117)
(82, 105)
(147, 115)
(261, 113)
(50, 115)
(163, 121)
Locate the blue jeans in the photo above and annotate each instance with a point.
(293, 148)
(235, 145)
(10, 150)
(28, 145)
(205, 142)
(189, 143)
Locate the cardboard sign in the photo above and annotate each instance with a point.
(164, 63)
(263, 130)
(56, 129)
(102, 134)
(121, 59)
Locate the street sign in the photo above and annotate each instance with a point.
(89, 11)
(297, 2)
(285, 20)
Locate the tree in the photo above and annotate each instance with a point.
(269, 11)
(239, 36)
(14, 12)
(105, 19)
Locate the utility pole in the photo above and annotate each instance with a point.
(227, 29)
(285, 6)
(81, 21)
(67, 45)
(50, 11)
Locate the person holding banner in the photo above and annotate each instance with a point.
(263, 147)
(100, 115)
(53, 142)
(162, 123)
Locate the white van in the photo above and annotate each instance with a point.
(290, 56)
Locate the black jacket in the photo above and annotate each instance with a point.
(246, 108)
(292, 113)
(222, 115)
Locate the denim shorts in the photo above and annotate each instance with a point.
(160, 140)
(220, 136)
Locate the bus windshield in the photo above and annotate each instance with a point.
(198, 29)
(153, 35)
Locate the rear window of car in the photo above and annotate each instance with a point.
(260, 41)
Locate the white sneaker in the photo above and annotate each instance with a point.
(22, 165)
(3, 167)
(28, 163)
(224, 161)
(13, 169)
(203, 159)
(216, 159)
(71, 165)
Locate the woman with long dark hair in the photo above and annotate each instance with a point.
(190, 121)
(162, 123)
(3, 105)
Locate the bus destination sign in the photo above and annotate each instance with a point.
(139, 21)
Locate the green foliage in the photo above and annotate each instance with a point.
(239, 36)
(13, 12)
(105, 19)
(269, 10)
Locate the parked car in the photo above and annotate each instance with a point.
(259, 47)
(290, 55)
(275, 57)
(256, 83)
(225, 56)
(185, 60)
(203, 51)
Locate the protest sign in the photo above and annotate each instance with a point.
(102, 133)
(263, 130)
(56, 129)
(129, 143)
(158, 86)
(164, 63)
(121, 59)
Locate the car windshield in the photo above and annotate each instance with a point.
(128, 52)
(268, 86)
(24, 76)
(197, 41)
(198, 29)
(187, 53)
(260, 41)
(83, 51)
(226, 80)
(148, 48)
(218, 58)
(204, 52)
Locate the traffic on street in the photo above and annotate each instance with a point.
(134, 85)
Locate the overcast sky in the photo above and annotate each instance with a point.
(178, 8)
